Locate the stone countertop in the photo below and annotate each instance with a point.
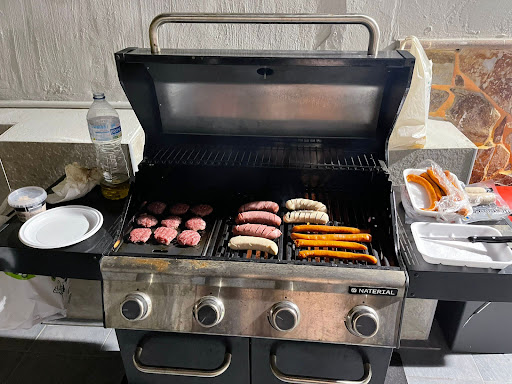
(37, 143)
(442, 135)
(58, 125)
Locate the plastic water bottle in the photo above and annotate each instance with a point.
(105, 131)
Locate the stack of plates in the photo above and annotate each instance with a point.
(61, 227)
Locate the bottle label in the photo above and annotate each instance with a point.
(105, 132)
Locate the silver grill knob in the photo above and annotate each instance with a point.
(208, 311)
(284, 316)
(362, 321)
(136, 306)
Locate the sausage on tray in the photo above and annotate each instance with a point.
(258, 217)
(330, 244)
(305, 204)
(315, 217)
(268, 206)
(325, 229)
(339, 255)
(361, 237)
(243, 243)
(258, 230)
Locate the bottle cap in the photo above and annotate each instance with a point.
(98, 95)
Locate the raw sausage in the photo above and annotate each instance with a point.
(361, 237)
(268, 206)
(255, 243)
(437, 190)
(258, 230)
(305, 204)
(325, 229)
(339, 255)
(411, 178)
(330, 243)
(315, 217)
(258, 217)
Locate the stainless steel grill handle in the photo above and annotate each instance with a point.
(367, 376)
(180, 371)
(270, 18)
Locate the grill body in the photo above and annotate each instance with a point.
(226, 128)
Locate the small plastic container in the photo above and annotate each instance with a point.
(27, 202)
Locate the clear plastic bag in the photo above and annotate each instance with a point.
(410, 130)
(487, 203)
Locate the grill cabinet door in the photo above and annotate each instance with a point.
(198, 353)
(316, 360)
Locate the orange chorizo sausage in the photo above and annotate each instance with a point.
(331, 244)
(430, 190)
(361, 237)
(437, 190)
(339, 255)
(325, 229)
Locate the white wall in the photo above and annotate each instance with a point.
(63, 49)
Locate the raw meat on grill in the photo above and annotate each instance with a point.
(240, 243)
(179, 209)
(189, 238)
(140, 235)
(201, 210)
(146, 220)
(195, 224)
(165, 235)
(156, 207)
(268, 206)
(257, 230)
(258, 217)
(172, 222)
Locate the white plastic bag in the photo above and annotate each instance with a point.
(26, 300)
(410, 129)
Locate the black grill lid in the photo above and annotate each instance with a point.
(351, 99)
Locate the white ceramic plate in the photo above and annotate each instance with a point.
(462, 253)
(61, 227)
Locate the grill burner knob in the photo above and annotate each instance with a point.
(362, 321)
(136, 306)
(208, 311)
(284, 316)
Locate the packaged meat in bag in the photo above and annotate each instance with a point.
(27, 300)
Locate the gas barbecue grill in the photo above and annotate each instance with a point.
(229, 127)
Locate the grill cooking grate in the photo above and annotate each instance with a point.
(306, 155)
(346, 212)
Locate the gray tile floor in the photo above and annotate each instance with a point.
(55, 354)
(443, 367)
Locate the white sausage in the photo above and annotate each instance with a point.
(482, 198)
(313, 217)
(240, 243)
(475, 190)
(305, 204)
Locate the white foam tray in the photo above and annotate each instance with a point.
(461, 253)
(418, 194)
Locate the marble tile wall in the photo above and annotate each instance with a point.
(472, 88)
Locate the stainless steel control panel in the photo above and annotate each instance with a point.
(320, 309)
